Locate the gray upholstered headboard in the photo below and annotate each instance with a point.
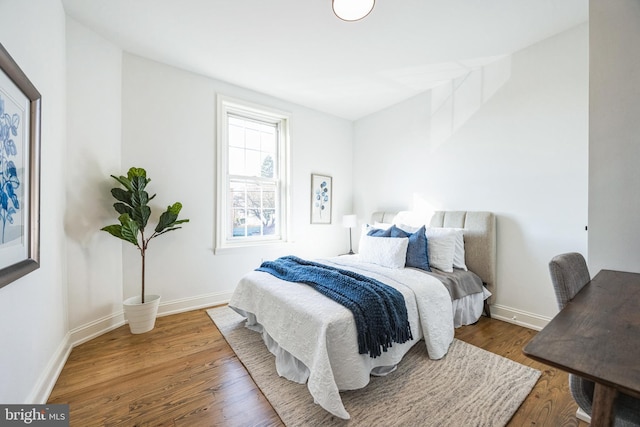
(479, 239)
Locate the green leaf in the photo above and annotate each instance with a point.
(129, 229)
(123, 180)
(175, 208)
(114, 230)
(139, 197)
(141, 214)
(121, 195)
(169, 218)
(169, 229)
(121, 208)
(138, 184)
(137, 172)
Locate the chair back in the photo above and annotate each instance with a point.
(569, 274)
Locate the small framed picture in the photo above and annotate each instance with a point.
(321, 199)
(19, 172)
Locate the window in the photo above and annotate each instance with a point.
(253, 169)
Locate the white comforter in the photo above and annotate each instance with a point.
(322, 334)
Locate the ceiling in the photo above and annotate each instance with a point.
(298, 51)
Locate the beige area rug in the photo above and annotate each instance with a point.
(468, 387)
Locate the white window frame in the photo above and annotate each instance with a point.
(226, 106)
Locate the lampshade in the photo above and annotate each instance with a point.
(349, 221)
(352, 10)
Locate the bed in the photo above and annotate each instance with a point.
(314, 339)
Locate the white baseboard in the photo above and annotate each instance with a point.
(40, 393)
(84, 333)
(193, 303)
(96, 328)
(519, 317)
(581, 415)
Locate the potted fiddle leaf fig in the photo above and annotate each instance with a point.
(132, 205)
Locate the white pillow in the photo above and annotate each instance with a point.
(458, 255)
(363, 232)
(366, 228)
(441, 246)
(385, 251)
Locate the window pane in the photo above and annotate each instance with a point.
(236, 136)
(238, 199)
(236, 161)
(269, 199)
(235, 121)
(268, 142)
(268, 165)
(269, 221)
(254, 199)
(239, 220)
(254, 224)
(252, 139)
(253, 163)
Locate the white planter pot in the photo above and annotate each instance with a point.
(141, 317)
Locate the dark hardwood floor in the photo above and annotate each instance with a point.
(183, 373)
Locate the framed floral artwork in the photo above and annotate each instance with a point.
(321, 199)
(19, 172)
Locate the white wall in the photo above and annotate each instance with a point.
(522, 154)
(33, 309)
(94, 85)
(168, 124)
(614, 136)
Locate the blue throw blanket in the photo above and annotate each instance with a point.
(379, 310)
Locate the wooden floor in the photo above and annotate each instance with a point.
(183, 373)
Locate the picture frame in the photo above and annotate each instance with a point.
(20, 109)
(321, 199)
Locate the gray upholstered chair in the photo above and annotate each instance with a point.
(569, 274)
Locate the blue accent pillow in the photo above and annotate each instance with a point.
(417, 254)
(381, 232)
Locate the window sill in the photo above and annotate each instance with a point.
(244, 247)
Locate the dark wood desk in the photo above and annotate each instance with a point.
(597, 336)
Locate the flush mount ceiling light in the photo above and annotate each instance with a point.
(352, 10)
